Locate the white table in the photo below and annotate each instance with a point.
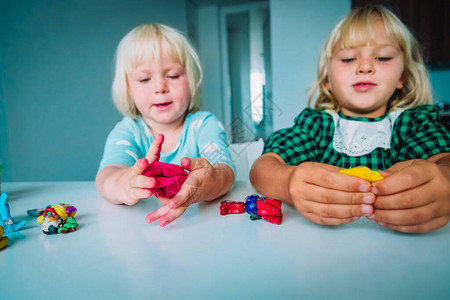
(116, 255)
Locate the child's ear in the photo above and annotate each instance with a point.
(326, 83)
(400, 84)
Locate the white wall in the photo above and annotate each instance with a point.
(299, 30)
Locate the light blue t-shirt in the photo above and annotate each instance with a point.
(203, 135)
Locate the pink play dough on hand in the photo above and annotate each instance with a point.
(169, 178)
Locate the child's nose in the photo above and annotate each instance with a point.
(160, 86)
(365, 67)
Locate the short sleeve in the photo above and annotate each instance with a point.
(212, 141)
(424, 134)
(301, 142)
(123, 144)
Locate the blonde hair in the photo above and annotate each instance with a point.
(150, 42)
(354, 30)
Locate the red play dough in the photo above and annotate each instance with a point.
(169, 178)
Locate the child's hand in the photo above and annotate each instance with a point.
(415, 197)
(137, 186)
(325, 196)
(204, 182)
(121, 184)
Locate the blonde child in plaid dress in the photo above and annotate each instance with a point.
(372, 108)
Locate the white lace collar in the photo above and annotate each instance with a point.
(356, 136)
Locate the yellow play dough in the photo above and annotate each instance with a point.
(364, 173)
(3, 240)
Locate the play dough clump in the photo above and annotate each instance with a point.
(364, 173)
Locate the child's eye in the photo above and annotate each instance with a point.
(144, 79)
(348, 60)
(173, 76)
(382, 59)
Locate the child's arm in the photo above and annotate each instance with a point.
(121, 184)
(415, 196)
(205, 182)
(318, 191)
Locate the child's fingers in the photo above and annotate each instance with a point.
(171, 215)
(192, 164)
(140, 193)
(142, 181)
(329, 221)
(165, 215)
(405, 179)
(155, 215)
(153, 153)
(399, 166)
(185, 163)
(140, 166)
(328, 176)
(408, 199)
(418, 228)
(412, 216)
(340, 211)
(331, 196)
(136, 194)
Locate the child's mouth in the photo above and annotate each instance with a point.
(363, 86)
(162, 105)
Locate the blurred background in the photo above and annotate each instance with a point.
(259, 60)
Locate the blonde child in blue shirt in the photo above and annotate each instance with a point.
(156, 87)
(372, 108)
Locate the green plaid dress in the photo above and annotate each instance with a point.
(415, 133)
